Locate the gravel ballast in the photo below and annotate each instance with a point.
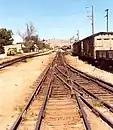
(89, 69)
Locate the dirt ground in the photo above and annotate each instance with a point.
(16, 86)
(89, 69)
(4, 58)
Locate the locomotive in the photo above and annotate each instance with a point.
(96, 49)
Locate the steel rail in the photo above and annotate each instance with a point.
(91, 94)
(94, 96)
(82, 113)
(66, 82)
(72, 92)
(90, 76)
(98, 81)
(41, 113)
(41, 78)
(65, 64)
(65, 75)
(94, 110)
(3, 65)
(18, 59)
(84, 117)
(98, 113)
(19, 118)
(69, 86)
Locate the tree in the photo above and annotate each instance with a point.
(29, 31)
(5, 38)
(30, 38)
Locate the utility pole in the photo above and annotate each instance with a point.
(92, 19)
(106, 19)
(77, 34)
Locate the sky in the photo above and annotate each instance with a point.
(55, 18)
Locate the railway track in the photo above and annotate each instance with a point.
(94, 92)
(51, 106)
(19, 59)
(63, 100)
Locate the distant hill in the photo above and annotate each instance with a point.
(57, 42)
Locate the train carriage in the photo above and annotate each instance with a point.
(76, 49)
(96, 48)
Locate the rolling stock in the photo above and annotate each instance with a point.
(96, 49)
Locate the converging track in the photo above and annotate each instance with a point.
(63, 100)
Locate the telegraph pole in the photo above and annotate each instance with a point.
(92, 21)
(92, 18)
(77, 34)
(106, 19)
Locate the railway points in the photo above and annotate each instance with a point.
(64, 98)
(58, 76)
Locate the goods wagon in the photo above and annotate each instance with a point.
(95, 48)
(76, 49)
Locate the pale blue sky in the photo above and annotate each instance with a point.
(55, 18)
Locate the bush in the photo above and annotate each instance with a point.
(26, 50)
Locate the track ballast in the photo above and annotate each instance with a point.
(63, 100)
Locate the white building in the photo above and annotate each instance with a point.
(17, 47)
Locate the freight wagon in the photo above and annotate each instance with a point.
(96, 49)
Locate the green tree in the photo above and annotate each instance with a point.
(5, 38)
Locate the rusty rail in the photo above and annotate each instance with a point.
(18, 59)
(18, 120)
(41, 113)
(8, 63)
(103, 117)
(82, 112)
(91, 94)
(69, 78)
(98, 81)
(41, 78)
(95, 111)
(69, 86)
(94, 96)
